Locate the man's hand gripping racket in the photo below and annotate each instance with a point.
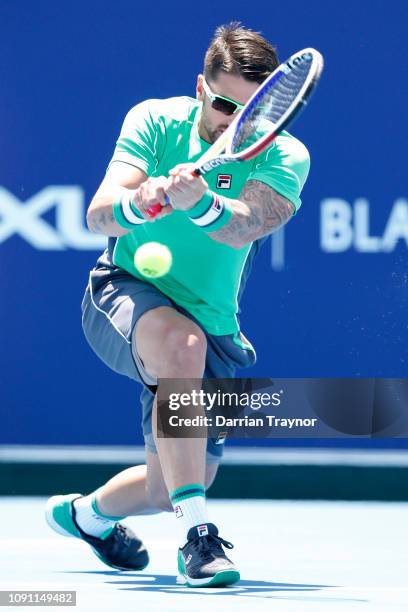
(213, 152)
(274, 105)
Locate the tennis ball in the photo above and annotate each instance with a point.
(153, 259)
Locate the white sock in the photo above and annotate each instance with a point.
(190, 508)
(90, 519)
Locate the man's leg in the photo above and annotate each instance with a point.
(137, 490)
(141, 489)
(172, 346)
(110, 330)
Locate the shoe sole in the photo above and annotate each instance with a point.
(49, 512)
(120, 567)
(220, 579)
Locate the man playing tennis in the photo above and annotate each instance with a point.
(183, 325)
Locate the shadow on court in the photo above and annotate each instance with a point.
(256, 588)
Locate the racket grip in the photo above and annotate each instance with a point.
(155, 209)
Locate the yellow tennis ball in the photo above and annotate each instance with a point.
(153, 259)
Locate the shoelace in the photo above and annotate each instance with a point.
(207, 544)
(124, 540)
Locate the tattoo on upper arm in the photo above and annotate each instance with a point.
(272, 208)
(268, 211)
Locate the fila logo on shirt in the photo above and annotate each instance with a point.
(224, 181)
(202, 530)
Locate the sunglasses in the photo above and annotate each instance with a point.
(222, 103)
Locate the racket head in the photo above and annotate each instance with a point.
(274, 105)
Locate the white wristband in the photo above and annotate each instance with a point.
(125, 211)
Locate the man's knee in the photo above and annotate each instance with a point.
(168, 343)
(185, 344)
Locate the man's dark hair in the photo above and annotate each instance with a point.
(239, 51)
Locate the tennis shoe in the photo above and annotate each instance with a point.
(202, 562)
(121, 549)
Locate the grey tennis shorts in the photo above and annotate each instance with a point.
(112, 305)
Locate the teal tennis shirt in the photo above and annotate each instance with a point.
(205, 276)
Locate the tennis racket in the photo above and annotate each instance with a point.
(273, 106)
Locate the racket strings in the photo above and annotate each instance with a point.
(267, 110)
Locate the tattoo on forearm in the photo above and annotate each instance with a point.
(100, 220)
(268, 211)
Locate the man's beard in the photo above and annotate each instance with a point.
(213, 134)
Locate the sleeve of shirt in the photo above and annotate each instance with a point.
(284, 167)
(140, 139)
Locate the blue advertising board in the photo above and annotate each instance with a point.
(328, 295)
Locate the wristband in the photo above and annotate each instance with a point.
(211, 212)
(125, 211)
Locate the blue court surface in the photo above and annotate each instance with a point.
(293, 556)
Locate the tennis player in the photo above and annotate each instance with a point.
(183, 325)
